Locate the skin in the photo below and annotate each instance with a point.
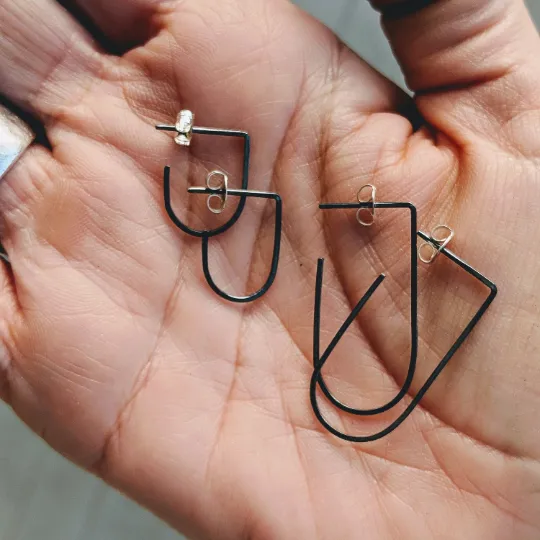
(115, 350)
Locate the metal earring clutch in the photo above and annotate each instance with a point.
(218, 195)
(435, 244)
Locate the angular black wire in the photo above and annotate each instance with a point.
(414, 316)
(275, 255)
(245, 181)
(436, 372)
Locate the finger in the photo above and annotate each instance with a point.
(469, 56)
(127, 23)
(15, 138)
(47, 60)
(7, 308)
(22, 179)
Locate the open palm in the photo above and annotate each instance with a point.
(117, 352)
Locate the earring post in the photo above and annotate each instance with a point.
(162, 127)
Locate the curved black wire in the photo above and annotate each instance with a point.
(245, 180)
(436, 372)
(275, 255)
(414, 317)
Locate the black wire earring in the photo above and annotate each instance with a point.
(434, 245)
(218, 194)
(365, 215)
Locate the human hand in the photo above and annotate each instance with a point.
(118, 354)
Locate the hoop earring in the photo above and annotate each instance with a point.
(368, 206)
(185, 130)
(218, 195)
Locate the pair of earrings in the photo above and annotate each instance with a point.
(366, 208)
(218, 195)
(434, 245)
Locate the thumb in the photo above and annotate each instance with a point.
(472, 63)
